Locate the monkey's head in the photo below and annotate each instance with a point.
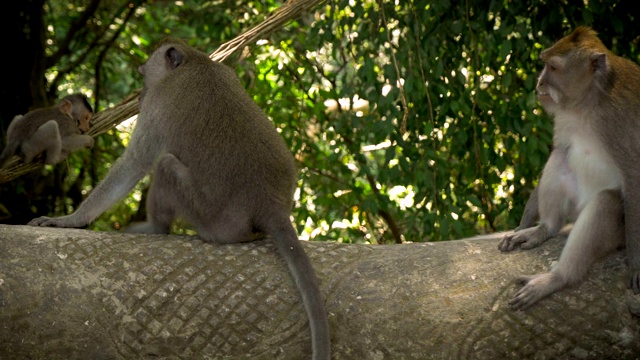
(170, 55)
(576, 68)
(78, 108)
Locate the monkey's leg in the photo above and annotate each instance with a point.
(598, 231)
(75, 142)
(173, 193)
(165, 194)
(229, 227)
(47, 139)
(556, 198)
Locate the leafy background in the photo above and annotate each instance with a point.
(410, 120)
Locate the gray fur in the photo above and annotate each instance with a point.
(592, 175)
(217, 161)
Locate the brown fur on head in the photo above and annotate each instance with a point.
(575, 72)
(582, 38)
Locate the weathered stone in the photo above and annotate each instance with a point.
(75, 294)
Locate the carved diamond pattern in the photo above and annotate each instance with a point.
(161, 291)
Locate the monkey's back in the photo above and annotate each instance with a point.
(619, 108)
(29, 123)
(241, 157)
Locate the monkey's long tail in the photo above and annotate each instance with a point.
(288, 245)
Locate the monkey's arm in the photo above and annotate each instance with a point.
(123, 176)
(530, 214)
(75, 142)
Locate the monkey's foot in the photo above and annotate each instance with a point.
(51, 160)
(534, 288)
(145, 228)
(62, 222)
(526, 238)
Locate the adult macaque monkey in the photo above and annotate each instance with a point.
(592, 175)
(217, 161)
(55, 131)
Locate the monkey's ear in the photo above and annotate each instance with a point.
(174, 58)
(599, 63)
(544, 55)
(66, 107)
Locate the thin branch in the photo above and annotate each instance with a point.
(107, 45)
(291, 10)
(485, 197)
(388, 218)
(403, 99)
(75, 27)
(434, 139)
(60, 74)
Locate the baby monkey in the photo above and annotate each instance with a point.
(55, 131)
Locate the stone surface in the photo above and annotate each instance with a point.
(76, 294)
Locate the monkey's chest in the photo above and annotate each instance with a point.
(592, 166)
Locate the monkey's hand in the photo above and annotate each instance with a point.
(89, 143)
(526, 238)
(535, 288)
(69, 221)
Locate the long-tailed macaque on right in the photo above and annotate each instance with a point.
(53, 131)
(217, 161)
(592, 176)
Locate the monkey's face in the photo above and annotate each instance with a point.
(547, 92)
(565, 80)
(84, 121)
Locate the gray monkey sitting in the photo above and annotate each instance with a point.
(217, 161)
(591, 176)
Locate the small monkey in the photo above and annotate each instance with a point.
(217, 161)
(55, 131)
(592, 175)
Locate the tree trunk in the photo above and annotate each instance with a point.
(23, 83)
(76, 294)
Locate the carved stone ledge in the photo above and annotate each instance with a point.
(76, 294)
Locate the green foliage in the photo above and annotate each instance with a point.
(450, 140)
(413, 120)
